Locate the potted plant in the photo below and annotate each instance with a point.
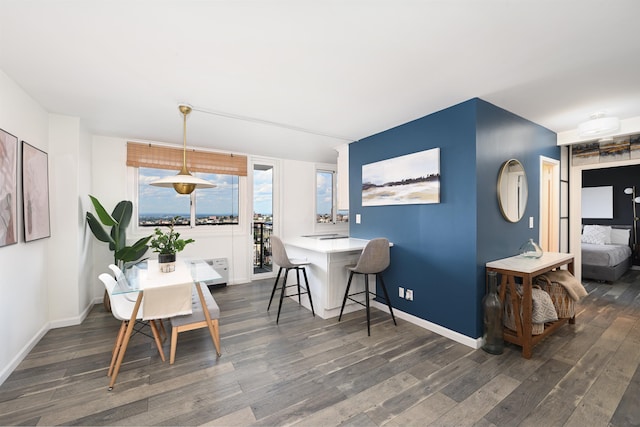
(117, 236)
(167, 244)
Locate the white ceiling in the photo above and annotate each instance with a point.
(329, 71)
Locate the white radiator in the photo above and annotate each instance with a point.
(221, 266)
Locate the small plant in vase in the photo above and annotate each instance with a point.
(167, 244)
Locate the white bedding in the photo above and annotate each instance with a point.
(604, 255)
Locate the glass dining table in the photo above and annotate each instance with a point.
(146, 276)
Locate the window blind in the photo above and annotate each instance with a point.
(159, 157)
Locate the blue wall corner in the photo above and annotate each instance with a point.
(440, 249)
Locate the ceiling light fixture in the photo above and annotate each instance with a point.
(597, 125)
(183, 182)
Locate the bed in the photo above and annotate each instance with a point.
(606, 253)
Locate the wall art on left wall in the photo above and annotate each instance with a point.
(35, 193)
(8, 189)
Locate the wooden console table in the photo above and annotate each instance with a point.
(527, 269)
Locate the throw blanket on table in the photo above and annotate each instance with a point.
(564, 278)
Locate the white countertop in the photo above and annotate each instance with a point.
(529, 265)
(328, 246)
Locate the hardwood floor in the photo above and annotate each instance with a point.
(314, 372)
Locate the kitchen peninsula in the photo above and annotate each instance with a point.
(329, 256)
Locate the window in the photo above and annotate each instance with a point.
(326, 212)
(203, 207)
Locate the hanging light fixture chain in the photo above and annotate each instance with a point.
(183, 182)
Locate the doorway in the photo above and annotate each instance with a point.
(263, 214)
(549, 204)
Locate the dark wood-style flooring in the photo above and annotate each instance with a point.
(314, 372)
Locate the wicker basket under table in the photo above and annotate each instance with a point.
(509, 317)
(564, 304)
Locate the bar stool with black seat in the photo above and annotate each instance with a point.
(279, 257)
(373, 260)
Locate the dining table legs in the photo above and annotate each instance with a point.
(207, 316)
(113, 371)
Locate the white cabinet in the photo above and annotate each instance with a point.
(327, 272)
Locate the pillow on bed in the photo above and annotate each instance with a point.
(596, 234)
(620, 236)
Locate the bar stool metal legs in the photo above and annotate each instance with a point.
(373, 260)
(284, 286)
(348, 296)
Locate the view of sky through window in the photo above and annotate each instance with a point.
(155, 203)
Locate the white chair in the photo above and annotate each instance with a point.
(279, 257)
(122, 309)
(121, 279)
(373, 260)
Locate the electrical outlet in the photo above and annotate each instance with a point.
(401, 292)
(358, 218)
(409, 295)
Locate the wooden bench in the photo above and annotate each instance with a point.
(197, 319)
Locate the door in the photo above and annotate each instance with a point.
(263, 214)
(549, 204)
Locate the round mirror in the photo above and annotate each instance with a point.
(512, 190)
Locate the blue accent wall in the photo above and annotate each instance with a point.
(440, 249)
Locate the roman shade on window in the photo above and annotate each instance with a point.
(159, 157)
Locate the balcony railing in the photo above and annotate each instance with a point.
(262, 247)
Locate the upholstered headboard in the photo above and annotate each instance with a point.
(625, 227)
(616, 236)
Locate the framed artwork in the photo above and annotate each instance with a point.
(405, 180)
(35, 193)
(8, 189)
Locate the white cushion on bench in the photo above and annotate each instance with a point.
(197, 315)
(197, 319)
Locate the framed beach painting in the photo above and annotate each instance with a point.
(8, 188)
(35, 193)
(404, 180)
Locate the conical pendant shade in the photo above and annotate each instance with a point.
(183, 182)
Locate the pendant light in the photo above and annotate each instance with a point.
(183, 182)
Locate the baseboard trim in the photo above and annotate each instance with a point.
(474, 343)
(24, 352)
(76, 320)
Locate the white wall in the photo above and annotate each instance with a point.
(84, 236)
(298, 201)
(53, 282)
(112, 182)
(297, 210)
(69, 296)
(43, 282)
(24, 309)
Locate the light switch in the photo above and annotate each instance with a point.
(530, 222)
(358, 218)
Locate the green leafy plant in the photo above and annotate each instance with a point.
(168, 242)
(117, 237)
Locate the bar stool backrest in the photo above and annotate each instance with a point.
(279, 253)
(374, 258)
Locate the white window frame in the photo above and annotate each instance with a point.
(214, 230)
(334, 209)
